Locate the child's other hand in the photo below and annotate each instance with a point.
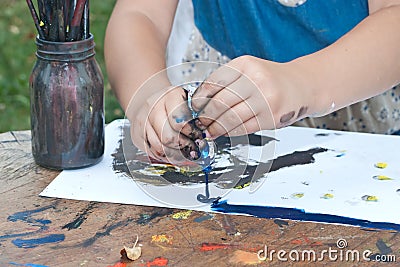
(250, 94)
(156, 124)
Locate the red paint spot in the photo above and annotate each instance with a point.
(317, 243)
(160, 261)
(296, 242)
(213, 246)
(308, 241)
(118, 264)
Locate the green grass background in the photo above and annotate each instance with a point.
(17, 57)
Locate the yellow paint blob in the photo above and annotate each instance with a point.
(297, 195)
(183, 215)
(370, 198)
(242, 186)
(382, 178)
(381, 165)
(161, 239)
(327, 196)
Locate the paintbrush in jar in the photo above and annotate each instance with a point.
(75, 26)
(35, 18)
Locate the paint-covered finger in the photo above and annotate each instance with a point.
(225, 100)
(234, 117)
(217, 81)
(177, 109)
(153, 144)
(248, 127)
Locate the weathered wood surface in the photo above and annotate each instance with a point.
(92, 234)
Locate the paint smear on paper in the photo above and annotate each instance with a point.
(369, 198)
(382, 178)
(341, 154)
(297, 214)
(327, 196)
(182, 215)
(297, 195)
(381, 165)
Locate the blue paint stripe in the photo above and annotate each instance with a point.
(27, 264)
(31, 243)
(298, 214)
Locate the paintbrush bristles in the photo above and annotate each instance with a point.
(61, 20)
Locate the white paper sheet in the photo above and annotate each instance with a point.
(344, 180)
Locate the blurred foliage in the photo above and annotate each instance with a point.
(17, 57)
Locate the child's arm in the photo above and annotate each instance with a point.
(363, 63)
(135, 45)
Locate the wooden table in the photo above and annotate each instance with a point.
(37, 231)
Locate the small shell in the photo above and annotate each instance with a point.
(135, 252)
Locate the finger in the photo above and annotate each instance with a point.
(248, 127)
(159, 120)
(179, 117)
(235, 93)
(233, 118)
(218, 80)
(153, 143)
(158, 150)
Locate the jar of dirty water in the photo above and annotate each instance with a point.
(67, 105)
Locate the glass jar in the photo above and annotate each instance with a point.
(67, 105)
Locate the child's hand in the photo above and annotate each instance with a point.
(250, 94)
(156, 124)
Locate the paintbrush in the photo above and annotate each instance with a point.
(60, 20)
(76, 20)
(86, 21)
(43, 20)
(35, 18)
(53, 23)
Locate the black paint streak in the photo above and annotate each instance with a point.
(296, 158)
(383, 248)
(107, 230)
(281, 223)
(321, 134)
(251, 139)
(138, 161)
(147, 218)
(80, 218)
(228, 225)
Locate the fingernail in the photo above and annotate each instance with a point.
(207, 133)
(186, 152)
(194, 155)
(199, 124)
